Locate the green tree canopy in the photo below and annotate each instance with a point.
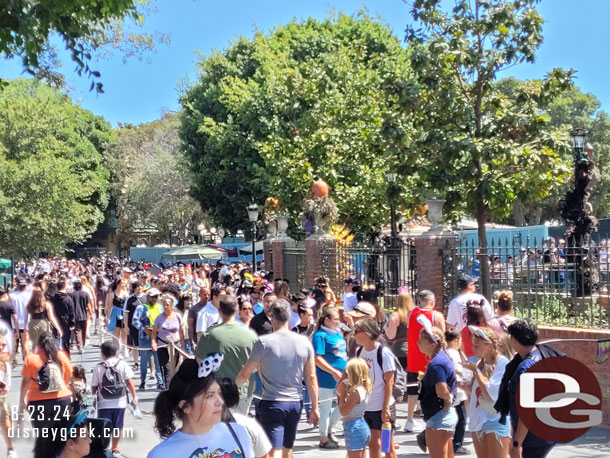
(478, 147)
(150, 183)
(570, 110)
(53, 180)
(26, 30)
(270, 115)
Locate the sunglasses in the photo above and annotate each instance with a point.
(247, 309)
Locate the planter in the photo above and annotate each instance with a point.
(282, 226)
(435, 213)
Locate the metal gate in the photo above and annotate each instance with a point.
(387, 269)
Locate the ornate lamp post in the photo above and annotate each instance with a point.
(394, 241)
(253, 217)
(577, 213)
(201, 231)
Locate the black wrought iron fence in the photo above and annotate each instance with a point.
(385, 268)
(552, 282)
(294, 267)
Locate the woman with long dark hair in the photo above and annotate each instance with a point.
(42, 317)
(115, 311)
(475, 316)
(194, 401)
(45, 384)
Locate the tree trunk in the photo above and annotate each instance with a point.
(518, 214)
(536, 215)
(481, 215)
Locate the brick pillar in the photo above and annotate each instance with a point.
(277, 251)
(314, 247)
(429, 264)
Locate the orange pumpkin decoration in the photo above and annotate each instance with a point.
(272, 204)
(421, 210)
(320, 188)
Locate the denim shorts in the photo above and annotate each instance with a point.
(495, 427)
(357, 434)
(445, 420)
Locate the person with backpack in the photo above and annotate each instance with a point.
(44, 385)
(523, 339)
(330, 358)
(381, 408)
(438, 391)
(143, 319)
(111, 382)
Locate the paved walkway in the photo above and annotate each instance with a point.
(596, 443)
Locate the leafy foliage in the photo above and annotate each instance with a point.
(53, 180)
(570, 110)
(25, 29)
(480, 148)
(270, 115)
(151, 183)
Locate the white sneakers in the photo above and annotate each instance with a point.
(412, 426)
(11, 454)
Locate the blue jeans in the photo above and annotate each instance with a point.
(145, 355)
(458, 437)
(280, 420)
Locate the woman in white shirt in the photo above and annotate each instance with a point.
(195, 399)
(491, 439)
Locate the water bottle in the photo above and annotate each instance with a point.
(135, 410)
(386, 437)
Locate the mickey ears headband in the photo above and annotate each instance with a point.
(210, 364)
(427, 326)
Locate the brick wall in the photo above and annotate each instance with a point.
(585, 352)
(314, 247)
(430, 266)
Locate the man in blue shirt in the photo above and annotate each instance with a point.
(523, 338)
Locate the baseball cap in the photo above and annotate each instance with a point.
(465, 280)
(363, 309)
(21, 281)
(153, 292)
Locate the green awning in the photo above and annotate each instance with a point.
(192, 253)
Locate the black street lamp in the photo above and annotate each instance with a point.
(253, 217)
(577, 213)
(394, 241)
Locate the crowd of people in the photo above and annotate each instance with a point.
(236, 357)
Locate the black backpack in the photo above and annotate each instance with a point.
(112, 385)
(400, 376)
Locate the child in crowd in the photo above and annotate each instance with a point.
(353, 394)
(81, 392)
(464, 377)
(5, 384)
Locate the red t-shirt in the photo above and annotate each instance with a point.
(416, 360)
(467, 342)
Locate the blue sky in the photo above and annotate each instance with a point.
(575, 36)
